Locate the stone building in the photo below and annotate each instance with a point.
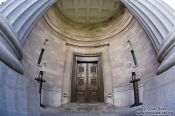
(87, 51)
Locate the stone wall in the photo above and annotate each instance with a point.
(159, 91)
(17, 19)
(53, 57)
(121, 59)
(120, 62)
(123, 65)
(156, 17)
(18, 95)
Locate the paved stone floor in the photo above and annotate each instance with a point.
(89, 110)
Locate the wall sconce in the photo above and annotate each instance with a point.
(43, 63)
(129, 46)
(65, 95)
(109, 95)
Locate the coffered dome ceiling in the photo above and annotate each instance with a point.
(88, 20)
(88, 11)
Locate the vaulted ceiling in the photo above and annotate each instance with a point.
(88, 11)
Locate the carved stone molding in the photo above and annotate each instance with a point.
(157, 18)
(87, 33)
(17, 18)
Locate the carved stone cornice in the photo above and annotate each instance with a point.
(87, 33)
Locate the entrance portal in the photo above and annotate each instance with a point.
(87, 80)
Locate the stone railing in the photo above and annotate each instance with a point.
(17, 18)
(157, 18)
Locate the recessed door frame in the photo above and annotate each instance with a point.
(72, 50)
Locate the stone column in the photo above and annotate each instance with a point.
(17, 18)
(157, 18)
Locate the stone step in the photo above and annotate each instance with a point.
(88, 107)
(89, 110)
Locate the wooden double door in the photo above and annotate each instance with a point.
(88, 83)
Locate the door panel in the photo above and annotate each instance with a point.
(92, 82)
(81, 82)
(87, 82)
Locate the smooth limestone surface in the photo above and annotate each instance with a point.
(85, 109)
(116, 59)
(18, 95)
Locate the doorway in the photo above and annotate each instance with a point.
(87, 80)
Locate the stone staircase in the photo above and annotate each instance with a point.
(83, 107)
(99, 109)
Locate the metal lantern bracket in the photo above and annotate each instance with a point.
(40, 81)
(135, 81)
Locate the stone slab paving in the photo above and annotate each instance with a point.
(88, 111)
